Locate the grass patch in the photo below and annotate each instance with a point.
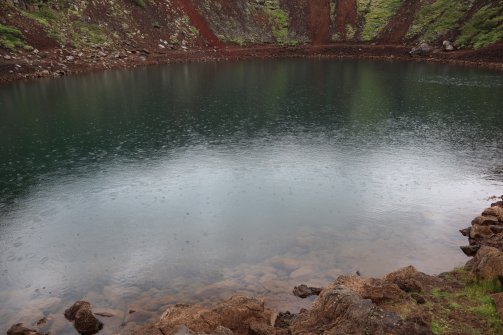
(12, 38)
(90, 33)
(480, 292)
(375, 14)
(437, 328)
(436, 19)
(484, 28)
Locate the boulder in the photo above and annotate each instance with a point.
(495, 212)
(480, 231)
(304, 291)
(485, 220)
(406, 279)
(83, 319)
(423, 49)
(487, 263)
(377, 290)
(447, 46)
(470, 250)
(339, 310)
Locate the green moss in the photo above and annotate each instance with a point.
(375, 15)
(44, 16)
(484, 28)
(90, 33)
(11, 38)
(279, 20)
(437, 327)
(436, 19)
(349, 32)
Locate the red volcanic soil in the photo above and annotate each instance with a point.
(319, 21)
(200, 23)
(346, 14)
(397, 28)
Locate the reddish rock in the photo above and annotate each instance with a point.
(339, 310)
(407, 279)
(485, 221)
(239, 314)
(487, 263)
(304, 291)
(494, 211)
(377, 290)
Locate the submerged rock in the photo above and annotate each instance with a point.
(423, 49)
(19, 329)
(304, 291)
(83, 318)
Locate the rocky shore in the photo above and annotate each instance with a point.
(57, 62)
(468, 300)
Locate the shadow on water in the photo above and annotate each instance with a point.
(189, 182)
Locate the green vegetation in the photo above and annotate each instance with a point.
(480, 292)
(49, 19)
(139, 3)
(484, 28)
(375, 14)
(89, 33)
(279, 21)
(436, 19)
(437, 327)
(473, 298)
(12, 38)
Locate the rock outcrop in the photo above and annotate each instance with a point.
(487, 264)
(340, 310)
(486, 230)
(238, 315)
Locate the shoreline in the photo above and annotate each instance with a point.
(466, 300)
(60, 62)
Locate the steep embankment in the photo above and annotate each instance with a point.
(56, 37)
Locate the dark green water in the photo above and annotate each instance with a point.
(189, 182)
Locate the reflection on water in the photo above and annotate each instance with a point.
(190, 182)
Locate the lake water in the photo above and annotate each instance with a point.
(189, 182)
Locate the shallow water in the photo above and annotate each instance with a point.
(190, 182)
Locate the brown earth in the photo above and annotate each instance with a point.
(347, 15)
(318, 21)
(397, 28)
(200, 23)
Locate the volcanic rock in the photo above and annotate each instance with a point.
(83, 318)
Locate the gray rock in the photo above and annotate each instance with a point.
(447, 46)
(424, 49)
